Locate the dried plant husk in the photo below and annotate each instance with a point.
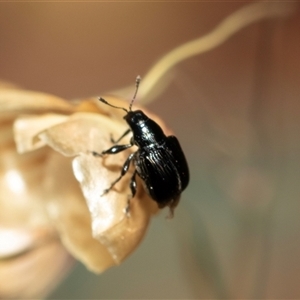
(52, 186)
(34, 263)
(32, 258)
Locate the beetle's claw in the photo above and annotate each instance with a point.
(171, 214)
(113, 141)
(127, 209)
(96, 154)
(104, 192)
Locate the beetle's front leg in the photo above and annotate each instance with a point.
(113, 150)
(120, 138)
(123, 172)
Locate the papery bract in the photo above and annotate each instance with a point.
(78, 135)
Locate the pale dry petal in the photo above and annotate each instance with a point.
(70, 215)
(27, 128)
(111, 226)
(96, 230)
(20, 178)
(83, 133)
(14, 100)
(33, 274)
(15, 241)
(32, 259)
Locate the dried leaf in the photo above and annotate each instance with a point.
(33, 273)
(17, 100)
(27, 128)
(59, 193)
(80, 134)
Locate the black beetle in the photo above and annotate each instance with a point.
(159, 160)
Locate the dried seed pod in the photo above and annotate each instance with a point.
(77, 136)
(93, 229)
(32, 262)
(29, 243)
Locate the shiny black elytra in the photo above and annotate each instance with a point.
(159, 160)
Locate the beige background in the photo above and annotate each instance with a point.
(236, 111)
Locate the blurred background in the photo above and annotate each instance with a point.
(236, 112)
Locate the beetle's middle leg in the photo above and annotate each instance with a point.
(120, 138)
(113, 150)
(123, 172)
(133, 192)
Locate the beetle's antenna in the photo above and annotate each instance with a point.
(137, 84)
(105, 102)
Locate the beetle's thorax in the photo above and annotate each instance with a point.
(145, 131)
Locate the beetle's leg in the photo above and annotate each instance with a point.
(113, 150)
(119, 139)
(123, 172)
(172, 206)
(133, 192)
(116, 149)
(133, 184)
(96, 154)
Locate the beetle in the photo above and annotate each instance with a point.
(159, 160)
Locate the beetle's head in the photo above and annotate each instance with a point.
(136, 117)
